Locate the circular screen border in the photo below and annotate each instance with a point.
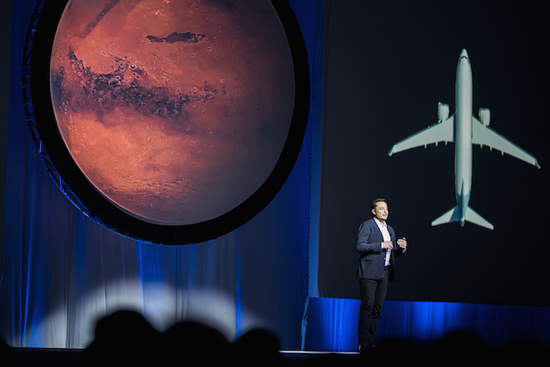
(86, 198)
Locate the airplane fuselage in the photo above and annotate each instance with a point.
(463, 134)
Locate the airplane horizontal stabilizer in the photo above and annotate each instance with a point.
(452, 215)
(471, 216)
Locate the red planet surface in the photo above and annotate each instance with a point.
(176, 111)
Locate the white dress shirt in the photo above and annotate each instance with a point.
(386, 234)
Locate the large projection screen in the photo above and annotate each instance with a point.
(388, 66)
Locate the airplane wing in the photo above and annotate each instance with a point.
(483, 135)
(440, 132)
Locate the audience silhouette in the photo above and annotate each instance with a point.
(7, 355)
(126, 338)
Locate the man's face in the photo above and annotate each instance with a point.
(381, 212)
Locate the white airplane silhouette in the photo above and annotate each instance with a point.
(464, 130)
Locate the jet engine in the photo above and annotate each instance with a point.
(442, 111)
(484, 116)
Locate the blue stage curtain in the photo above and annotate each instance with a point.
(63, 271)
(332, 323)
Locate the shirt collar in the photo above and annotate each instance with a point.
(380, 224)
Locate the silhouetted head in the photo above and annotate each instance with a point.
(193, 343)
(7, 354)
(460, 346)
(257, 347)
(123, 337)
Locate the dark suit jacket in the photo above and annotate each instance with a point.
(373, 257)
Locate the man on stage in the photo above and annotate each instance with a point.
(378, 246)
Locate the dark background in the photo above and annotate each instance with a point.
(387, 65)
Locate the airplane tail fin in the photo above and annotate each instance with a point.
(453, 215)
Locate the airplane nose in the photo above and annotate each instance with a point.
(464, 53)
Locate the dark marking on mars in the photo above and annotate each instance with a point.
(90, 26)
(122, 88)
(225, 3)
(186, 37)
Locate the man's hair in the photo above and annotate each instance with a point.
(376, 201)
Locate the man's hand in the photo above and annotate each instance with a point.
(387, 245)
(402, 243)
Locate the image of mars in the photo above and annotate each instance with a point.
(176, 111)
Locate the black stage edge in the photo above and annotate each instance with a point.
(41, 357)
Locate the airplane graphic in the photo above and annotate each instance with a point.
(464, 129)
